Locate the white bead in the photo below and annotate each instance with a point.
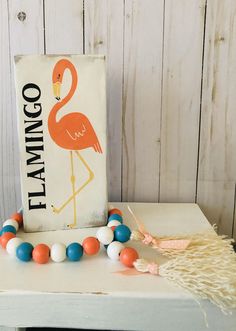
(11, 222)
(105, 235)
(58, 252)
(12, 246)
(114, 249)
(113, 223)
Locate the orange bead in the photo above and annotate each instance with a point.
(5, 238)
(115, 211)
(113, 227)
(41, 253)
(128, 256)
(91, 245)
(17, 217)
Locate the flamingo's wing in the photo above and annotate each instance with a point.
(81, 130)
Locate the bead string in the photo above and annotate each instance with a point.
(112, 236)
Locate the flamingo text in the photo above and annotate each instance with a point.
(34, 145)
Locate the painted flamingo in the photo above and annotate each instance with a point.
(73, 131)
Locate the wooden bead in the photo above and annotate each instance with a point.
(115, 211)
(114, 249)
(58, 252)
(12, 246)
(105, 235)
(5, 237)
(128, 256)
(17, 217)
(24, 252)
(91, 245)
(41, 253)
(113, 223)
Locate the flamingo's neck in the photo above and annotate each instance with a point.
(53, 113)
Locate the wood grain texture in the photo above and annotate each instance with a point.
(182, 63)
(104, 35)
(142, 99)
(217, 161)
(18, 37)
(64, 26)
(8, 151)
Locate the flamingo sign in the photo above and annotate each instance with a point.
(61, 102)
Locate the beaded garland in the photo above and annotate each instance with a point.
(111, 236)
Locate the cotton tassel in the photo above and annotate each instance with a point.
(204, 278)
(203, 244)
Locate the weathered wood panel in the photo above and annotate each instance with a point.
(8, 151)
(64, 27)
(182, 63)
(217, 161)
(104, 35)
(142, 99)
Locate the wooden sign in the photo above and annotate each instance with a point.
(62, 136)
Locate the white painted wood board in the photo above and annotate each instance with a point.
(8, 161)
(88, 295)
(64, 27)
(103, 34)
(182, 63)
(143, 32)
(217, 159)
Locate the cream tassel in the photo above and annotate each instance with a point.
(203, 244)
(204, 278)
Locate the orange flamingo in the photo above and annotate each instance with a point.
(73, 131)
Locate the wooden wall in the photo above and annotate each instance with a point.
(171, 92)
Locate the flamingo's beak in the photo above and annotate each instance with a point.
(57, 90)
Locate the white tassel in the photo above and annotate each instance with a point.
(203, 278)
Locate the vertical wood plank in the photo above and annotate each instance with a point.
(142, 99)
(25, 37)
(217, 161)
(182, 66)
(64, 26)
(104, 35)
(8, 151)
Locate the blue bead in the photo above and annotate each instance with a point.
(115, 217)
(24, 251)
(122, 233)
(9, 228)
(74, 252)
(0, 232)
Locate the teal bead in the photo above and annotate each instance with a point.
(74, 252)
(0, 232)
(122, 233)
(9, 228)
(115, 217)
(24, 251)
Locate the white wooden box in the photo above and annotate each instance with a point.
(62, 132)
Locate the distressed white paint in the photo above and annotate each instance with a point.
(217, 161)
(142, 99)
(64, 26)
(104, 35)
(182, 62)
(8, 165)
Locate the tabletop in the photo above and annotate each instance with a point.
(90, 294)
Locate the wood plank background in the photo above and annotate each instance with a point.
(171, 93)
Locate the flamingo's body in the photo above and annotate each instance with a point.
(73, 131)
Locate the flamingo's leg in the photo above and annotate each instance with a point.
(91, 176)
(73, 188)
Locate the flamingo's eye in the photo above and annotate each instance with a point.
(58, 76)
